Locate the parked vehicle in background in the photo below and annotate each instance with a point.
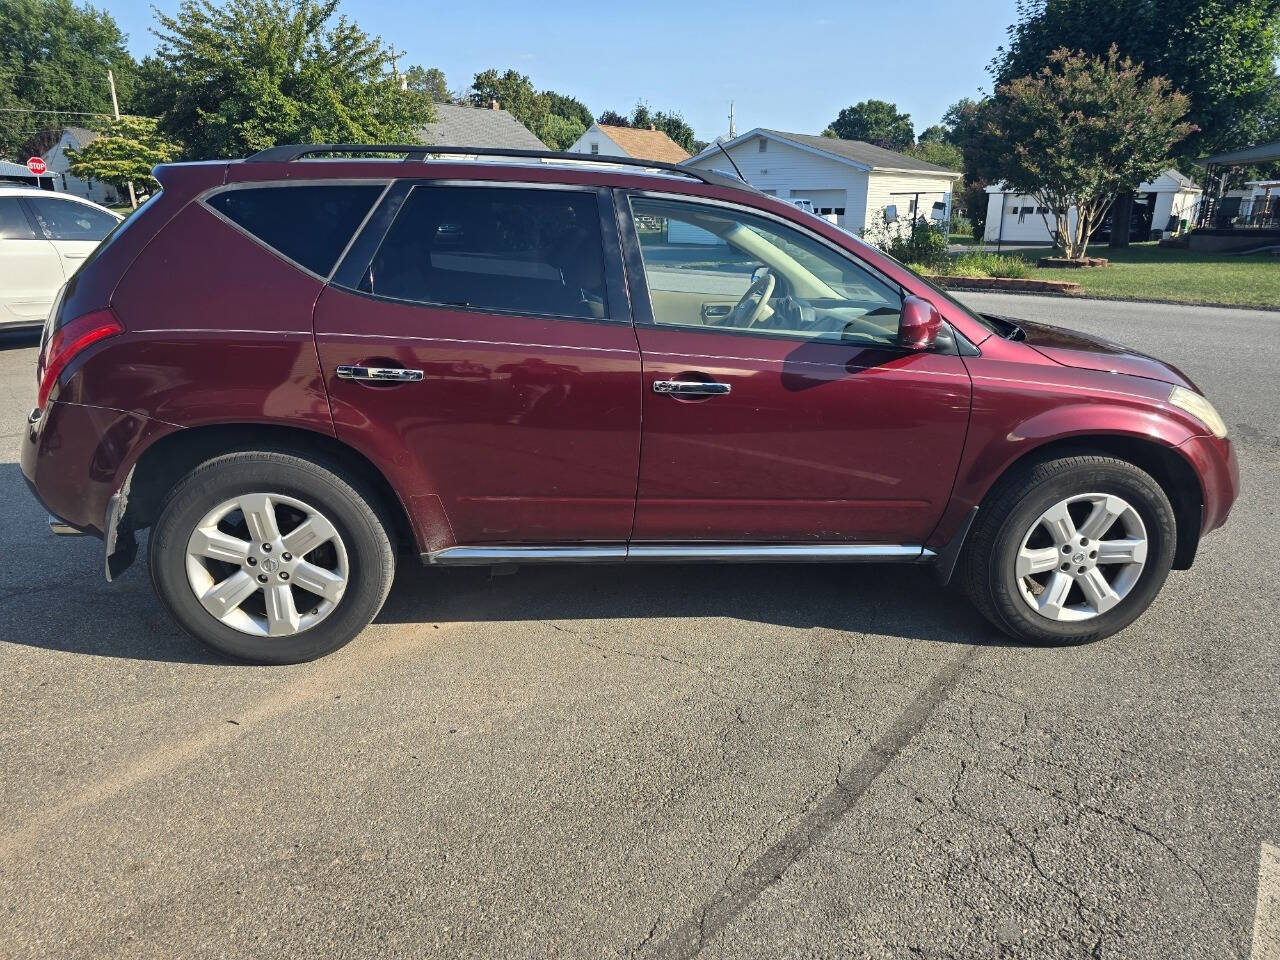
(44, 237)
(295, 371)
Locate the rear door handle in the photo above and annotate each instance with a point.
(690, 388)
(378, 374)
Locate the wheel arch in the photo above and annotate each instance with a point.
(175, 454)
(1164, 463)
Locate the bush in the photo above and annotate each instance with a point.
(918, 242)
(988, 265)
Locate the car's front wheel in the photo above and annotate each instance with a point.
(1070, 550)
(270, 557)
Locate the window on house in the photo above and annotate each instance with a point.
(534, 252)
(595, 148)
(1042, 209)
(764, 144)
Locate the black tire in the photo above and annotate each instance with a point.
(988, 565)
(341, 498)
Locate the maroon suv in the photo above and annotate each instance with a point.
(293, 368)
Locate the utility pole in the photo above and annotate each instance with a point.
(115, 109)
(732, 132)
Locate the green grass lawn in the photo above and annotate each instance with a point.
(1146, 271)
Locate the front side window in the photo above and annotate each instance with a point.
(513, 250)
(712, 268)
(311, 225)
(13, 222)
(68, 220)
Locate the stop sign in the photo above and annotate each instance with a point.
(36, 166)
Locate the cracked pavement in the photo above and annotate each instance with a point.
(732, 762)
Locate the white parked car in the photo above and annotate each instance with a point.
(44, 237)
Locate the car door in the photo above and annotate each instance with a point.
(794, 416)
(75, 229)
(478, 340)
(30, 270)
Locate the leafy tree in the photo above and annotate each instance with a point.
(55, 56)
(676, 127)
(940, 152)
(1079, 131)
(429, 81)
(557, 132)
(934, 134)
(232, 79)
(124, 154)
(1220, 53)
(877, 122)
(612, 118)
(555, 118)
(571, 108)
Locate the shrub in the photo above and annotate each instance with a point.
(988, 265)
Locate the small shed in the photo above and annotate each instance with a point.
(1162, 202)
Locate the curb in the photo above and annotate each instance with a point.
(1060, 287)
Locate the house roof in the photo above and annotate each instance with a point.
(866, 154)
(82, 135)
(863, 155)
(1258, 154)
(457, 126)
(645, 144)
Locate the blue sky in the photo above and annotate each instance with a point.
(790, 66)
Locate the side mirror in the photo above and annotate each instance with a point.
(919, 324)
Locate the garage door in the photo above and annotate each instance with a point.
(826, 203)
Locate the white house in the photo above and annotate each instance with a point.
(848, 181)
(610, 141)
(77, 138)
(1018, 218)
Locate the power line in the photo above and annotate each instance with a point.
(69, 113)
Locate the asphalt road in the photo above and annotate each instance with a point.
(663, 762)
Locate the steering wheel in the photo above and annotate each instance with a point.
(762, 287)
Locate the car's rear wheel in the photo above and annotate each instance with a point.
(1070, 550)
(271, 557)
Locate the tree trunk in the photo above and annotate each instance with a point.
(1121, 215)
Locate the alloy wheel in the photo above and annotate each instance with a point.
(267, 565)
(1081, 557)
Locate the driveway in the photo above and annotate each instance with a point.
(661, 762)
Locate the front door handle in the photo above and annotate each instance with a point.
(690, 388)
(378, 374)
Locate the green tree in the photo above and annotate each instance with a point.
(555, 119)
(934, 134)
(1220, 53)
(54, 56)
(612, 118)
(568, 107)
(124, 154)
(429, 81)
(877, 122)
(1079, 131)
(248, 74)
(557, 132)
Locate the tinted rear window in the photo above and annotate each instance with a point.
(310, 225)
(491, 248)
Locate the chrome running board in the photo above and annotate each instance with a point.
(680, 553)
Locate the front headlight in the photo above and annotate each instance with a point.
(1200, 408)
